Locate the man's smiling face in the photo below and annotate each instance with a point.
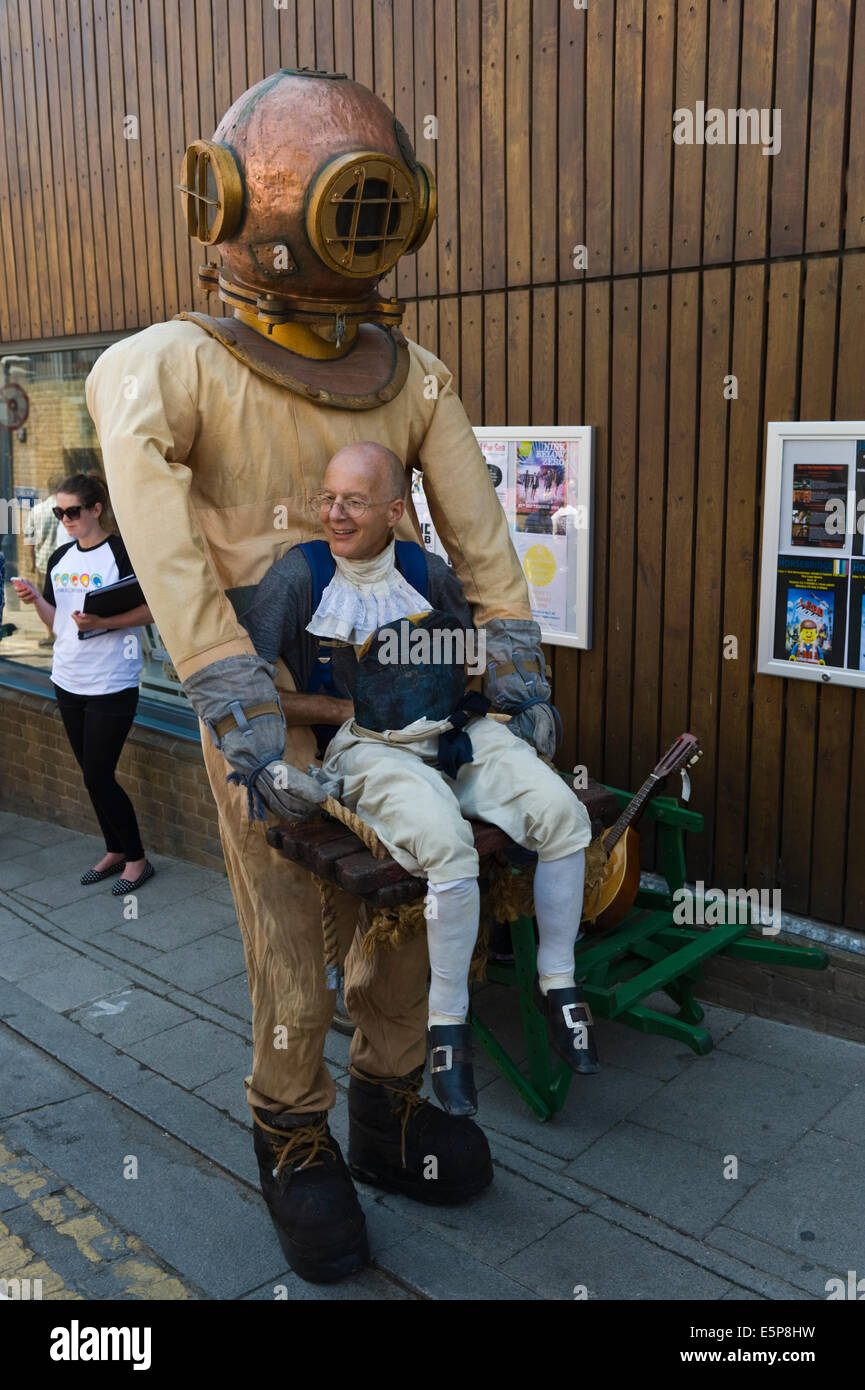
(366, 475)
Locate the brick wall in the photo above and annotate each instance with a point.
(829, 1001)
(164, 776)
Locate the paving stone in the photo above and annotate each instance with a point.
(610, 1263)
(220, 891)
(129, 1016)
(121, 950)
(713, 1260)
(167, 928)
(68, 986)
(192, 1053)
(199, 1221)
(664, 1176)
(202, 963)
(54, 891)
(27, 955)
(644, 1053)
(28, 1078)
(13, 847)
(733, 1105)
(91, 917)
(594, 1104)
(486, 1227)
(799, 1271)
(38, 832)
(227, 1092)
(231, 995)
(367, 1284)
(804, 1204)
(432, 1267)
(798, 1050)
(12, 927)
(847, 1118)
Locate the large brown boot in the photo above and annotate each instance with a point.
(310, 1196)
(402, 1143)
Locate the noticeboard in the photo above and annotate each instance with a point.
(812, 588)
(543, 480)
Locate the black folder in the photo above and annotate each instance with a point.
(121, 597)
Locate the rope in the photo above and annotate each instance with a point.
(328, 931)
(354, 823)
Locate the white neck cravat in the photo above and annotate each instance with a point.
(364, 595)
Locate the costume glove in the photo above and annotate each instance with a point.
(239, 705)
(516, 681)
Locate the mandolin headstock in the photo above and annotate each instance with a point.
(685, 752)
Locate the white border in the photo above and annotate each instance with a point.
(777, 432)
(581, 581)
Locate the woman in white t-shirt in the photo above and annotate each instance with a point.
(95, 680)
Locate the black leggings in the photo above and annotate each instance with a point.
(97, 726)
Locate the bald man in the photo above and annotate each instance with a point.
(395, 758)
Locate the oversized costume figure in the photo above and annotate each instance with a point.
(215, 432)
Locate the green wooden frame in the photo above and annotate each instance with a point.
(647, 952)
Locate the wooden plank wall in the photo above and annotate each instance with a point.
(555, 130)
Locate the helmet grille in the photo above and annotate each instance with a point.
(362, 218)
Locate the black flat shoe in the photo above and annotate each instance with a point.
(126, 885)
(450, 1065)
(569, 1024)
(98, 875)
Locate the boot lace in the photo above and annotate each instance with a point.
(411, 1102)
(306, 1142)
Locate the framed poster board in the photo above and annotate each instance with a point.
(812, 582)
(543, 479)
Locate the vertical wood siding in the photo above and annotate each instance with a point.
(555, 131)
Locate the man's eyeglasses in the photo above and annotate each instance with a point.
(355, 507)
(72, 512)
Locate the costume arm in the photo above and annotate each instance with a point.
(142, 395)
(466, 512)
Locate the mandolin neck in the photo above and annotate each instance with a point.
(633, 810)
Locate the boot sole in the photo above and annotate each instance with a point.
(317, 1268)
(432, 1194)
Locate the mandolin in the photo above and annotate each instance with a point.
(607, 902)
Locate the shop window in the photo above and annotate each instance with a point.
(46, 434)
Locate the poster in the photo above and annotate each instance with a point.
(543, 481)
(819, 492)
(541, 468)
(812, 590)
(496, 454)
(811, 610)
(545, 565)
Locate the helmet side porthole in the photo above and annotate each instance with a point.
(212, 192)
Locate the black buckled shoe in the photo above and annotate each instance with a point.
(399, 1142)
(310, 1196)
(450, 1066)
(569, 1024)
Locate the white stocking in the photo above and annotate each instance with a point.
(558, 893)
(453, 914)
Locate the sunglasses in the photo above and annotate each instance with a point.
(72, 512)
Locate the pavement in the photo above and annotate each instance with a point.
(126, 1162)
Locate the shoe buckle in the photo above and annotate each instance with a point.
(575, 1023)
(447, 1064)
